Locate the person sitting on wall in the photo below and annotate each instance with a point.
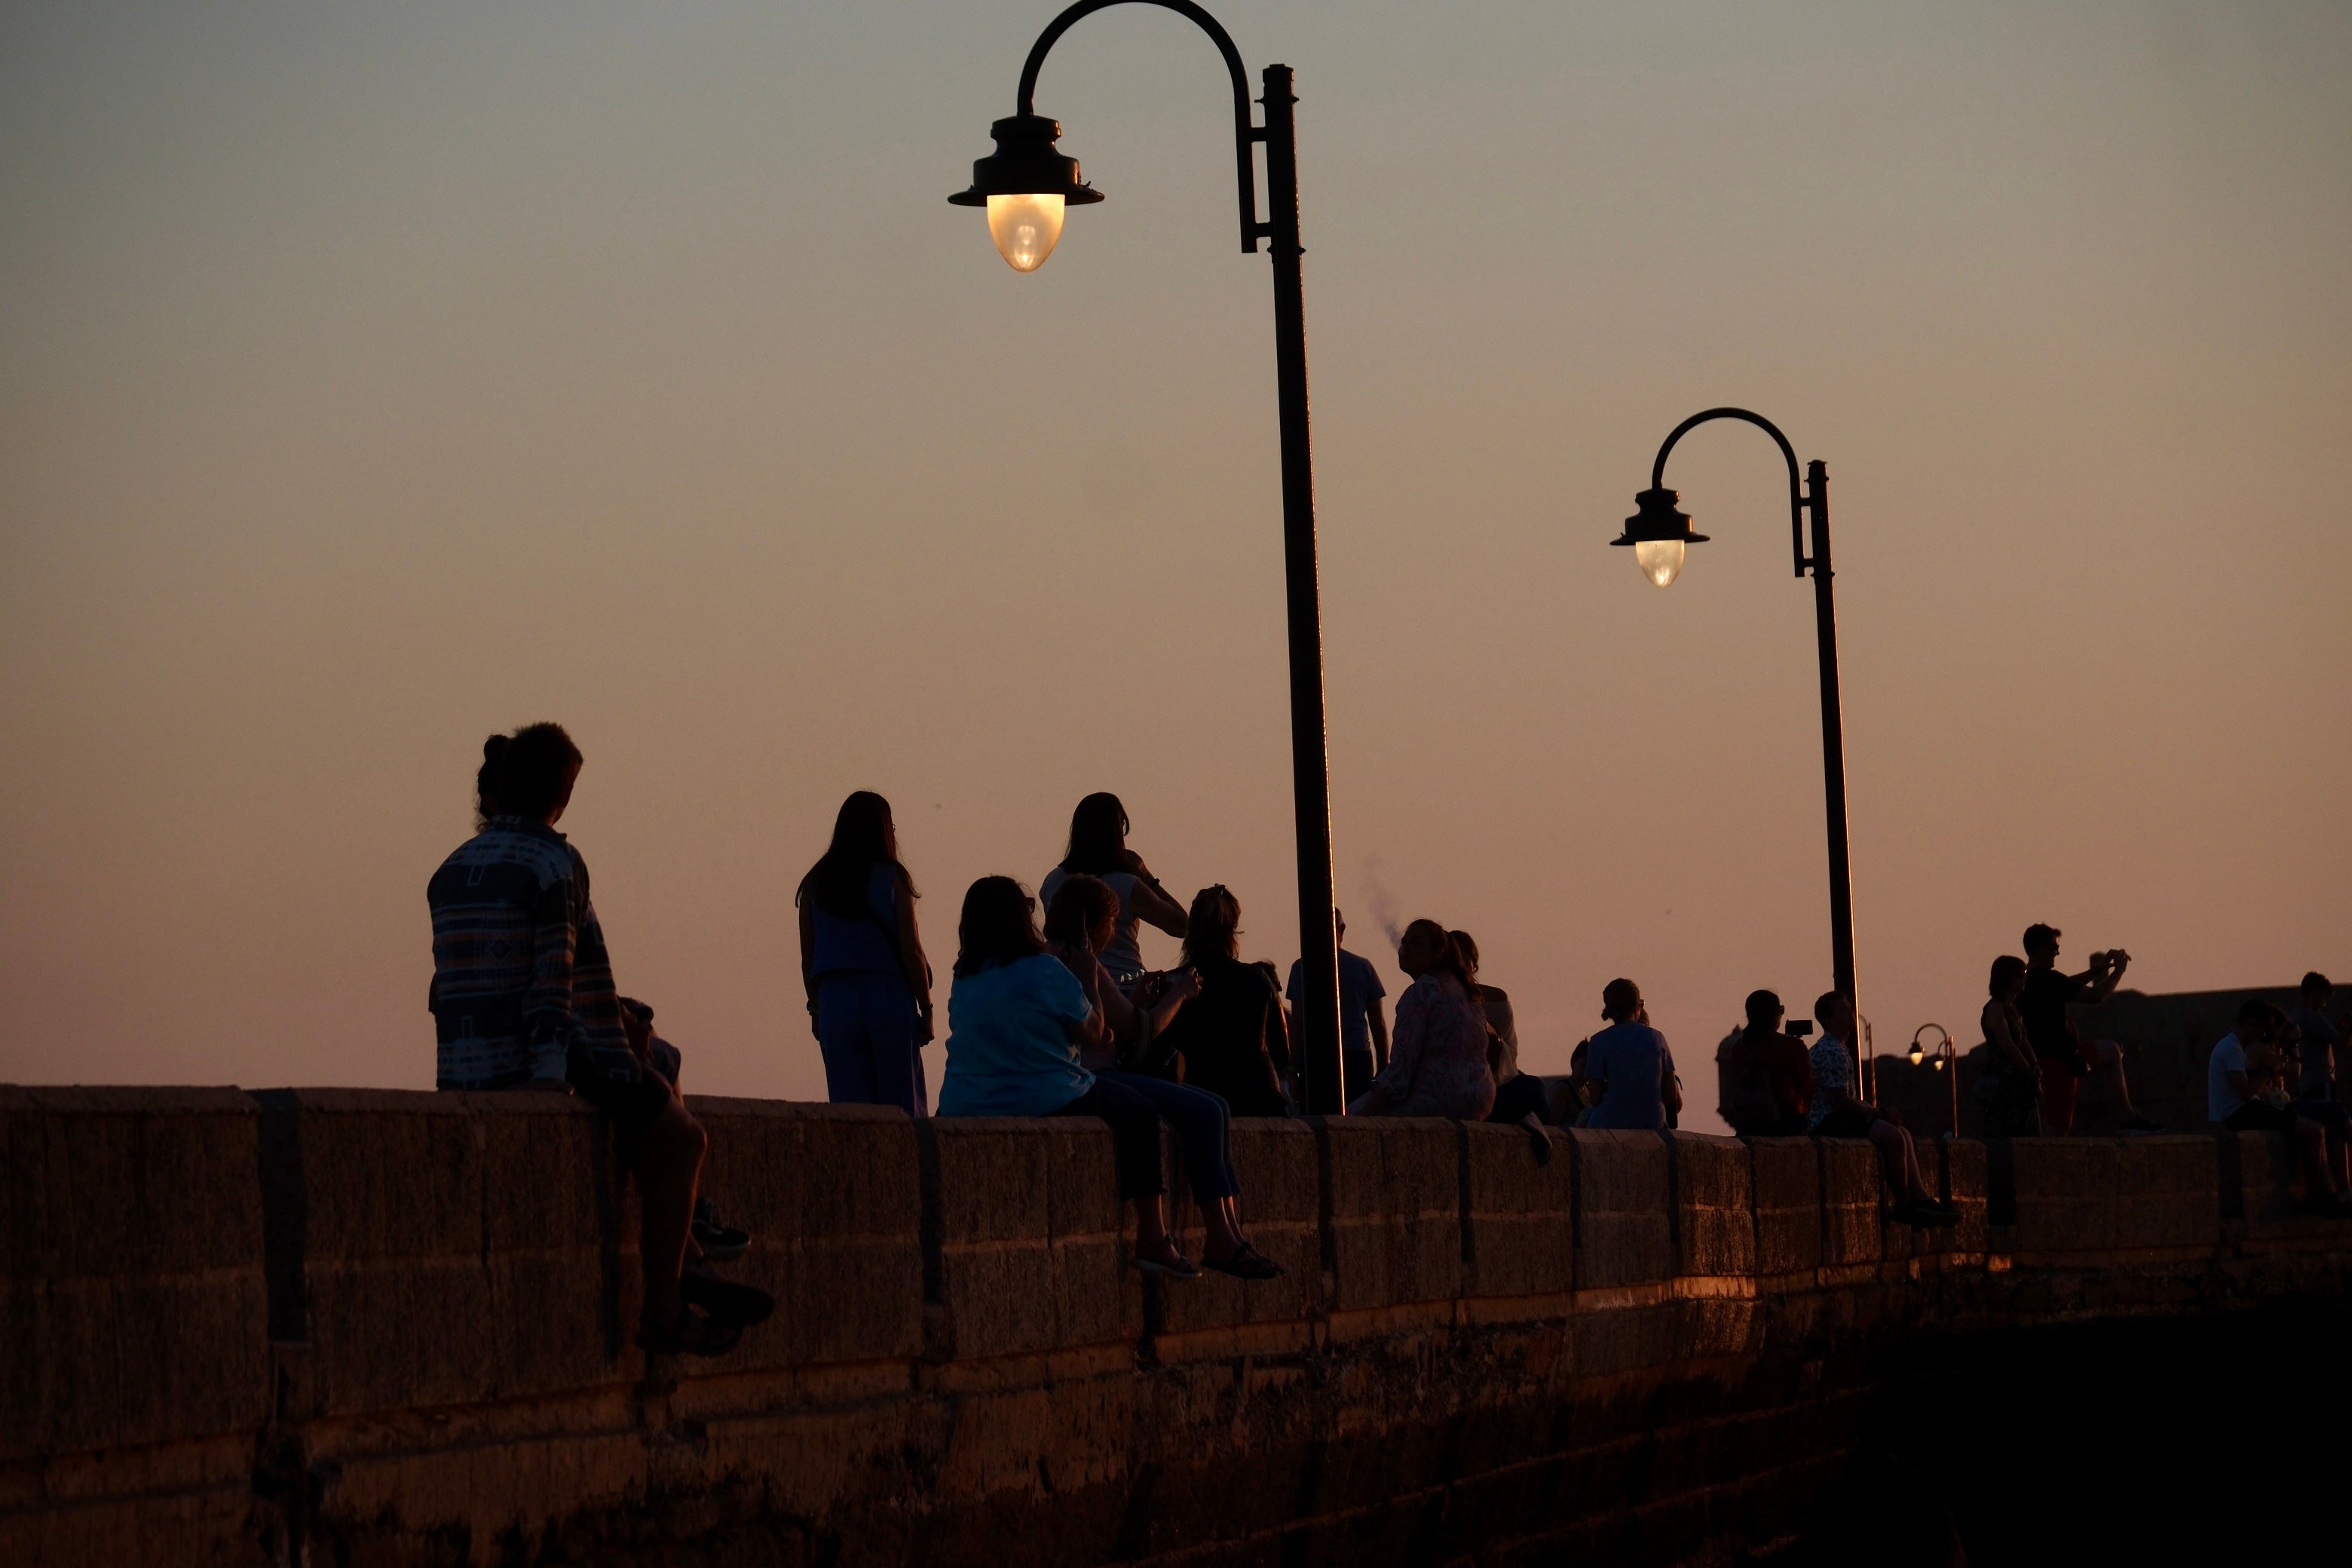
(715, 1240)
(1363, 1022)
(2065, 1057)
(522, 998)
(2245, 1065)
(1080, 923)
(1437, 1061)
(1629, 1070)
(1837, 1114)
(1230, 1038)
(1518, 1096)
(1017, 1020)
(1767, 1080)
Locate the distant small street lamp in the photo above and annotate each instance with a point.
(1945, 1061)
(1028, 188)
(1661, 536)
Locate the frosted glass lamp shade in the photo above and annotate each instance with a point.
(1661, 560)
(1025, 228)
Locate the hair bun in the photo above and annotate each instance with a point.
(494, 746)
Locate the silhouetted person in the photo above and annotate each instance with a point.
(2243, 1095)
(714, 1238)
(1098, 846)
(523, 997)
(1767, 1078)
(1363, 1021)
(2065, 1057)
(2323, 1038)
(1437, 1059)
(1629, 1068)
(2008, 1085)
(1231, 1037)
(1518, 1096)
(1836, 1112)
(862, 962)
(1078, 925)
(1017, 1020)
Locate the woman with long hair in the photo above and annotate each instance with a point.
(862, 964)
(1018, 1021)
(1231, 1039)
(1079, 926)
(2009, 1085)
(1097, 847)
(1437, 1058)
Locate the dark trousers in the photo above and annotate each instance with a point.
(1522, 1094)
(1134, 1122)
(1203, 1130)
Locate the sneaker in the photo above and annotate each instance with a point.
(720, 1242)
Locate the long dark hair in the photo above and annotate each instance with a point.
(2005, 971)
(998, 925)
(1212, 926)
(863, 834)
(524, 774)
(1099, 837)
(1078, 903)
(1450, 959)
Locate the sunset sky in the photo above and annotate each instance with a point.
(371, 378)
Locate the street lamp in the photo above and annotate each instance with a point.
(1661, 536)
(1028, 186)
(1947, 1062)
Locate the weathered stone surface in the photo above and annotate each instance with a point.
(2067, 1191)
(1395, 1210)
(1032, 1249)
(833, 1197)
(2168, 1192)
(133, 1307)
(1624, 1191)
(1522, 1239)
(1715, 1206)
(1851, 1192)
(1787, 1194)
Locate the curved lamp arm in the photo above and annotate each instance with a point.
(1796, 500)
(1244, 131)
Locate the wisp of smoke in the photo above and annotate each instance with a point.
(1383, 902)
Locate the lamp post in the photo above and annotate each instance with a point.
(1660, 537)
(1028, 186)
(1947, 1062)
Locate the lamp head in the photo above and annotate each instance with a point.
(1027, 185)
(1659, 535)
(1918, 1055)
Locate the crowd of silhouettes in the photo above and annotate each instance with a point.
(1069, 1020)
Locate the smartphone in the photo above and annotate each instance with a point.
(1801, 1027)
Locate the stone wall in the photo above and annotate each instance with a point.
(358, 1328)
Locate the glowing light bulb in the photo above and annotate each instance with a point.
(1661, 560)
(1024, 228)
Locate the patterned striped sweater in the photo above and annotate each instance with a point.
(520, 976)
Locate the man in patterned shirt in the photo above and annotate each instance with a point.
(523, 997)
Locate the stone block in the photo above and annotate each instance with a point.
(133, 1295)
(1788, 1188)
(1393, 1186)
(1715, 1206)
(1623, 1192)
(1964, 1178)
(2266, 1182)
(2065, 1194)
(1850, 1202)
(1522, 1238)
(1281, 1205)
(455, 1248)
(1031, 1245)
(2168, 1192)
(833, 1197)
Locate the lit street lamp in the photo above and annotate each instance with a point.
(1947, 1062)
(1661, 537)
(1028, 187)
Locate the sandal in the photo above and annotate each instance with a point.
(1246, 1262)
(729, 1302)
(1176, 1265)
(690, 1334)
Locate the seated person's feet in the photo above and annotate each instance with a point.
(1168, 1263)
(1245, 1262)
(2329, 1205)
(690, 1334)
(730, 1302)
(720, 1243)
(2138, 1124)
(1926, 1214)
